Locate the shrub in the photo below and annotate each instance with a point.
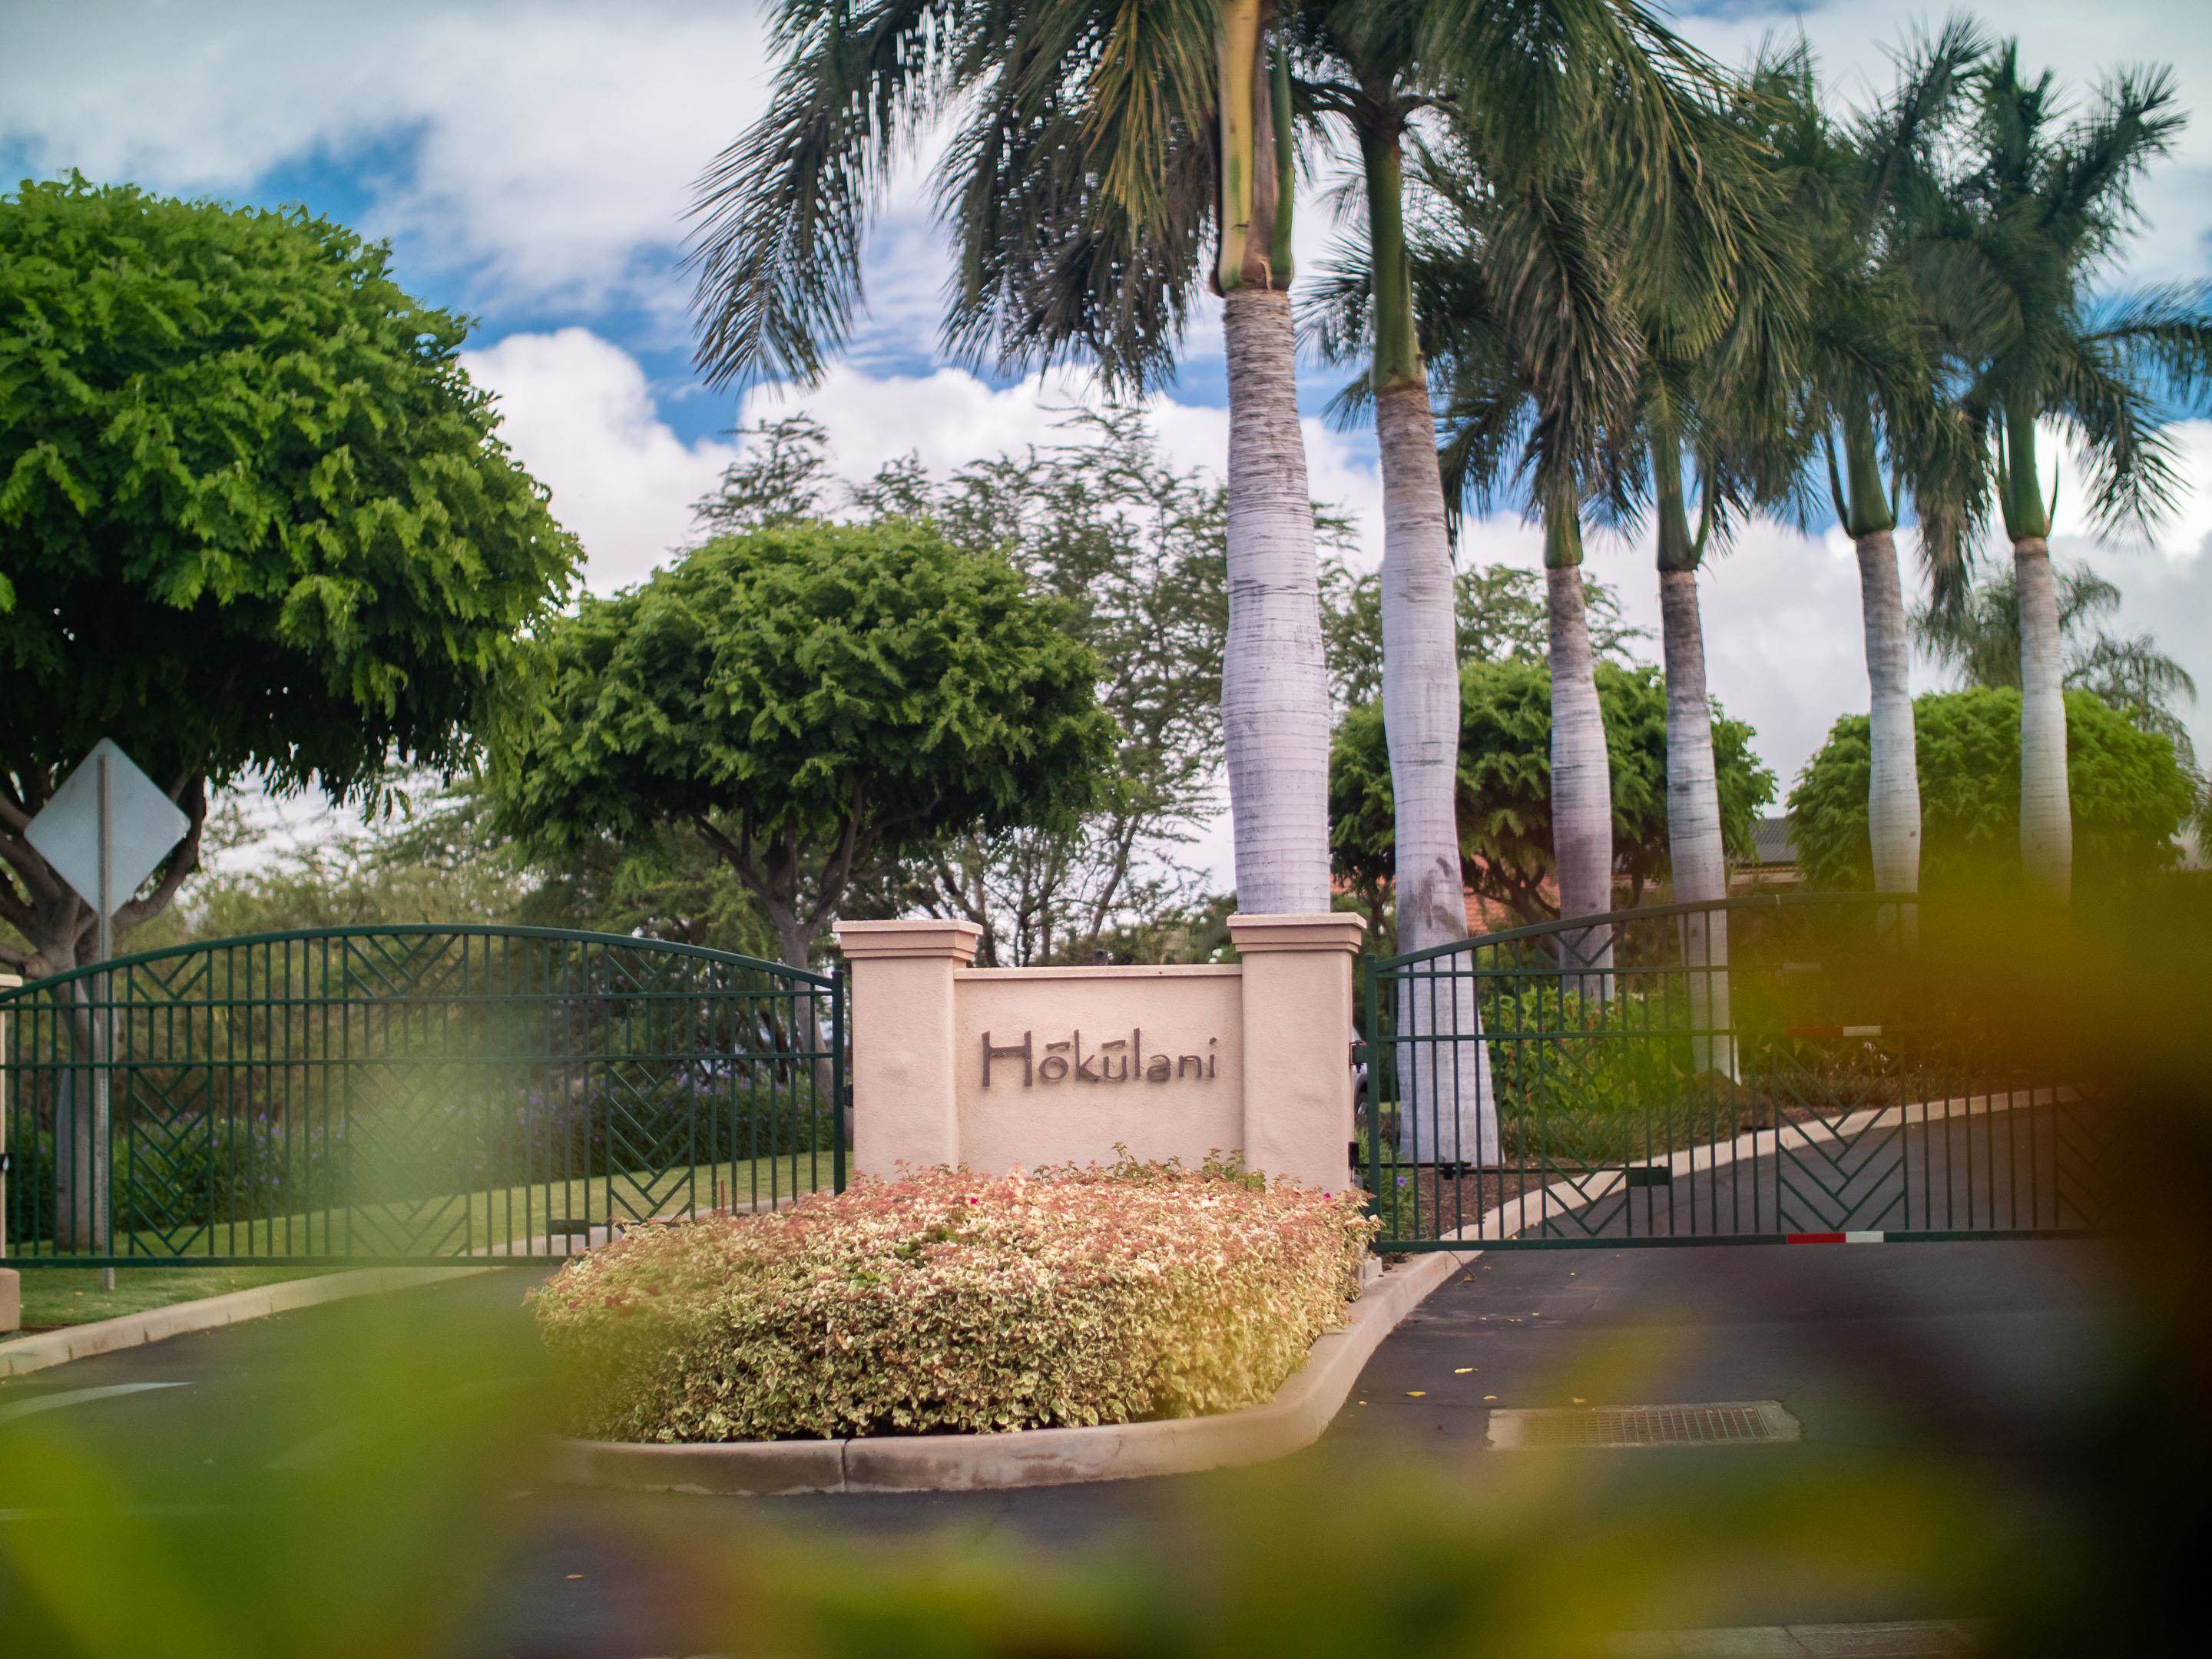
(1586, 1079)
(1504, 789)
(948, 1303)
(2128, 789)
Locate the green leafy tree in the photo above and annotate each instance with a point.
(254, 519)
(1504, 795)
(1133, 548)
(807, 700)
(1098, 150)
(1135, 553)
(2130, 793)
(781, 475)
(412, 869)
(445, 859)
(1502, 617)
(1977, 637)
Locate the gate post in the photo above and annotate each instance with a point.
(905, 1109)
(1297, 1042)
(11, 1282)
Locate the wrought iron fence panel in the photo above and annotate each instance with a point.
(1767, 1068)
(405, 1093)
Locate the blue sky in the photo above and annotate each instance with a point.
(530, 161)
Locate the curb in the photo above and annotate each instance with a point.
(21, 1356)
(1293, 1419)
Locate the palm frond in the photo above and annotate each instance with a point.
(1336, 308)
(2090, 195)
(2118, 432)
(2165, 333)
(1895, 141)
(1080, 189)
(782, 213)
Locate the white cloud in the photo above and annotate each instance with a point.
(2080, 43)
(578, 412)
(948, 417)
(548, 148)
(2184, 533)
(2172, 600)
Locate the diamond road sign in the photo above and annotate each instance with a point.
(144, 823)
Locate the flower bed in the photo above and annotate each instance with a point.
(952, 1303)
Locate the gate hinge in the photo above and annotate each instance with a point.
(1358, 1052)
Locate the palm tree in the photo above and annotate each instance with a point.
(1521, 284)
(1559, 283)
(1358, 68)
(1099, 148)
(1867, 381)
(1696, 848)
(2010, 251)
(1723, 333)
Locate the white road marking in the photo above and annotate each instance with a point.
(54, 1402)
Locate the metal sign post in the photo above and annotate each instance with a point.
(104, 1024)
(106, 829)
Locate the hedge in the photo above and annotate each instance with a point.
(948, 1302)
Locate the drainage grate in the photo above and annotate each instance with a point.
(1724, 1422)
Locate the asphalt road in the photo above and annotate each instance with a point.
(1989, 1355)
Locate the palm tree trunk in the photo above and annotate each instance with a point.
(1694, 846)
(1275, 684)
(1582, 776)
(1446, 1109)
(2046, 821)
(1893, 787)
(1274, 689)
(1420, 674)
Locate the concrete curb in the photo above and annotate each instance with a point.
(1294, 1419)
(19, 1356)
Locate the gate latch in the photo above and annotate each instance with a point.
(1648, 1174)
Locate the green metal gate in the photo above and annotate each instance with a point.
(385, 1095)
(1779, 1068)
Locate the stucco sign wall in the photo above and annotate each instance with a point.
(992, 1067)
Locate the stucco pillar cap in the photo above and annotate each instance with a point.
(1329, 930)
(956, 940)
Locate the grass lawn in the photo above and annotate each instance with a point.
(72, 1295)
